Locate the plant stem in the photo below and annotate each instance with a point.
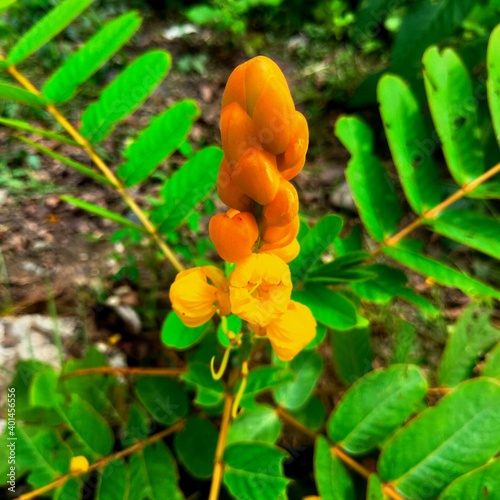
(105, 170)
(336, 450)
(219, 451)
(104, 461)
(284, 415)
(439, 390)
(168, 372)
(434, 212)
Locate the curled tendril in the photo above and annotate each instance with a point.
(217, 375)
(244, 373)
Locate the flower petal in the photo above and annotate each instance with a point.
(292, 331)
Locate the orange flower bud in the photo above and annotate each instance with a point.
(256, 175)
(292, 331)
(260, 288)
(238, 132)
(235, 87)
(280, 236)
(234, 234)
(284, 207)
(299, 141)
(273, 116)
(229, 192)
(247, 81)
(292, 172)
(197, 293)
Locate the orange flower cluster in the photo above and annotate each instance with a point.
(264, 141)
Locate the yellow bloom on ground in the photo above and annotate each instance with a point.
(292, 331)
(197, 293)
(260, 288)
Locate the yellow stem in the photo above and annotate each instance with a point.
(293, 421)
(219, 451)
(168, 372)
(441, 391)
(434, 212)
(103, 461)
(350, 462)
(106, 171)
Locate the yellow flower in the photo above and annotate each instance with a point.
(197, 293)
(292, 331)
(260, 288)
(79, 464)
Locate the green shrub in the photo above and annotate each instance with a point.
(82, 430)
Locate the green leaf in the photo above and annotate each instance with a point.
(469, 339)
(72, 488)
(157, 141)
(375, 406)
(233, 324)
(114, 481)
(369, 14)
(42, 452)
(79, 167)
(89, 426)
(254, 470)
(43, 390)
(261, 379)
(318, 339)
(469, 228)
(447, 447)
(258, 424)
(26, 372)
(198, 460)
(344, 269)
(404, 342)
(352, 353)
(388, 284)
(47, 28)
(332, 478)
(163, 397)
(18, 94)
(153, 474)
(181, 195)
(426, 22)
(101, 212)
(314, 244)
(209, 392)
(484, 481)
(491, 367)
(307, 366)
(137, 426)
(454, 112)
(174, 333)
(312, 414)
(374, 489)
(21, 125)
(329, 308)
(125, 94)
(62, 85)
(371, 187)
(493, 82)
(5, 4)
(407, 136)
(440, 272)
